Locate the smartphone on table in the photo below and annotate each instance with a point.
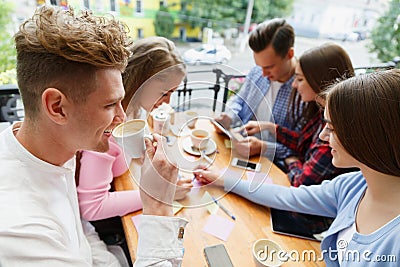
(217, 256)
(244, 164)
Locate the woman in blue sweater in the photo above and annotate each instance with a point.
(363, 126)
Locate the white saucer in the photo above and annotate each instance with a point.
(187, 146)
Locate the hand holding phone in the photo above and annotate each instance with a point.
(237, 133)
(231, 133)
(217, 256)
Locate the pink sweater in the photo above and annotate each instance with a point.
(96, 174)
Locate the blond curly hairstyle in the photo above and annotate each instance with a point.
(60, 49)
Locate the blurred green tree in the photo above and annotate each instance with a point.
(271, 9)
(7, 48)
(385, 36)
(219, 14)
(164, 23)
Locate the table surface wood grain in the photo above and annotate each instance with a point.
(252, 220)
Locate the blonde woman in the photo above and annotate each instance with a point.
(154, 71)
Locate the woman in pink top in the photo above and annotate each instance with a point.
(154, 71)
(150, 56)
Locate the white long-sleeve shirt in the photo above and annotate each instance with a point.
(40, 223)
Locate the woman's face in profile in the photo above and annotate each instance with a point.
(340, 157)
(158, 91)
(165, 98)
(302, 86)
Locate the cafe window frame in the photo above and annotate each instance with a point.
(113, 5)
(140, 32)
(86, 4)
(139, 7)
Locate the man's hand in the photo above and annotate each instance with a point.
(224, 120)
(158, 179)
(253, 127)
(250, 146)
(183, 186)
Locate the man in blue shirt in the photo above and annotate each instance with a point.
(265, 96)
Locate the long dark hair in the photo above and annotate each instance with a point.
(365, 115)
(322, 66)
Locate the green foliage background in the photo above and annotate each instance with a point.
(164, 23)
(385, 36)
(7, 48)
(231, 13)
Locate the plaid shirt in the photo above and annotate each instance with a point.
(315, 158)
(243, 106)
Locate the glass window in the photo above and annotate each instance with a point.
(86, 4)
(140, 33)
(113, 6)
(139, 7)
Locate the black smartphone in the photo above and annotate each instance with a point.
(217, 256)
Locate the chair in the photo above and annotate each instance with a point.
(187, 88)
(13, 110)
(9, 89)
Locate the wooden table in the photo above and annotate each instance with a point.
(252, 220)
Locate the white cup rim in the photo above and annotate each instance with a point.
(124, 124)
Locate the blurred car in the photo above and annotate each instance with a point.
(362, 33)
(207, 54)
(344, 36)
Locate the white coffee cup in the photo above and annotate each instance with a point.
(130, 136)
(200, 139)
(266, 253)
(161, 122)
(191, 118)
